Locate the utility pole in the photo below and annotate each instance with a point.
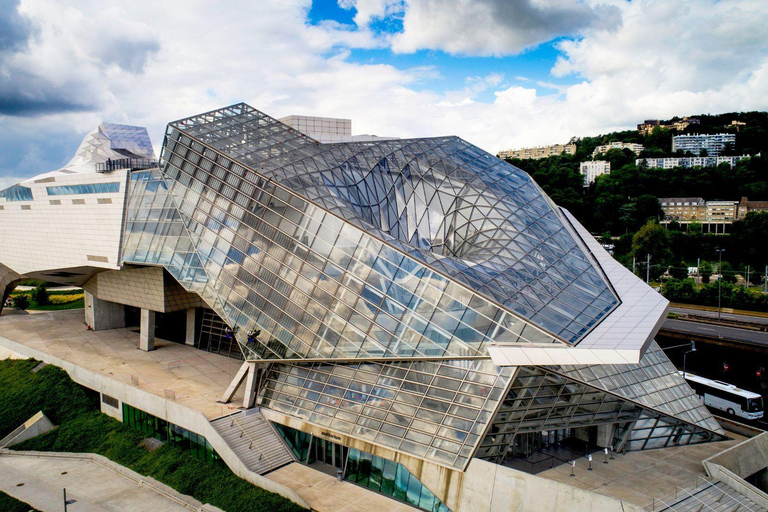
(719, 280)
(765, 282)
(633, 266)
(746, 283)
(648, 269)
(698, 273)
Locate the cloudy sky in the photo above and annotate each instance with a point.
(499, 73)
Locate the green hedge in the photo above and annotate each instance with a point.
(83, 428)
(11, 504)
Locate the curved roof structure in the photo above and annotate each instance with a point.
(448, 204)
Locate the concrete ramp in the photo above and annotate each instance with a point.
(254, 440)
(33, 427)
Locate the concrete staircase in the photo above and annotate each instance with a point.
(254, 440)
(713, 497)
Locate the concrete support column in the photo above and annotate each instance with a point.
(604, 436)
(101, 314)
(147, 334)
(190, 334)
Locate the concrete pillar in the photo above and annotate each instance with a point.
(190, 334)
(604, 436)
(147, 333)
(101, 314)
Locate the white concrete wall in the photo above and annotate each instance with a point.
(42, 235)
(496, 488)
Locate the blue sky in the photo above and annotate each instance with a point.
(499, 73)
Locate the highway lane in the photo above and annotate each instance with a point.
(715, 331)
(725, 316)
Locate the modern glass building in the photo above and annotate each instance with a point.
(402, 307)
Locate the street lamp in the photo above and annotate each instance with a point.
(719, 280)
(685, 354)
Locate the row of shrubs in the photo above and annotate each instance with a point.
(83, 428)
(40, 297)
(731, 295)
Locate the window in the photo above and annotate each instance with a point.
(17, 193)
(92, 188)
(110, 401)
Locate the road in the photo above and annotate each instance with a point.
(725, 316)
(716, 331)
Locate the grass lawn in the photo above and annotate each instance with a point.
(11, 504)
(83, 428)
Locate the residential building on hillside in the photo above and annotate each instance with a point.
(414, 314)
(632, 146)
(695, 143)
(689, 161)
(648, 125)
(722, 211)
(746, 206)
(683, 208)
(591, 169)
(539, 152)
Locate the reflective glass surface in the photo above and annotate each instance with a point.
(313, 285)
(17, 193)
(443, 201)
(654, 383)
(429, 410)
(91, 188)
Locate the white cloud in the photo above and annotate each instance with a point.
(481, 27)
(661, 59)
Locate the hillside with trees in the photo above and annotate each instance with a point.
(622, 208)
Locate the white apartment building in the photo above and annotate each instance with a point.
(632, 146)
(714, 143)
(692, 161)
(592, 169)
(539, 152)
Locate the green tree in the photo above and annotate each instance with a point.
(40, 295)
(705, 271)
(651, 239)
(21, 301)
(678, 270)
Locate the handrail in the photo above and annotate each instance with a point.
(125, 163)
(234, 422)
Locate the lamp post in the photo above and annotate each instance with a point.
(685, 354)
(719, 280)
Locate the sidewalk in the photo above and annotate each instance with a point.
(96, 485)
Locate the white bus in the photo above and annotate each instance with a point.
(727, 397)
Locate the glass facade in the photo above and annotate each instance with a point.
(17, 193)
(189, 442)
(447, 204)
(315, 286)
(432, 410)
(90, 188)
(374, 276)
(376, 473)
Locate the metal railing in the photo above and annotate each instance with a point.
(697, 494)
(126, 163)
(252, 443)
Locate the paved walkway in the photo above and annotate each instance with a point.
(639, 477)
(197, 378)
(95, 487)
(324, 493)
